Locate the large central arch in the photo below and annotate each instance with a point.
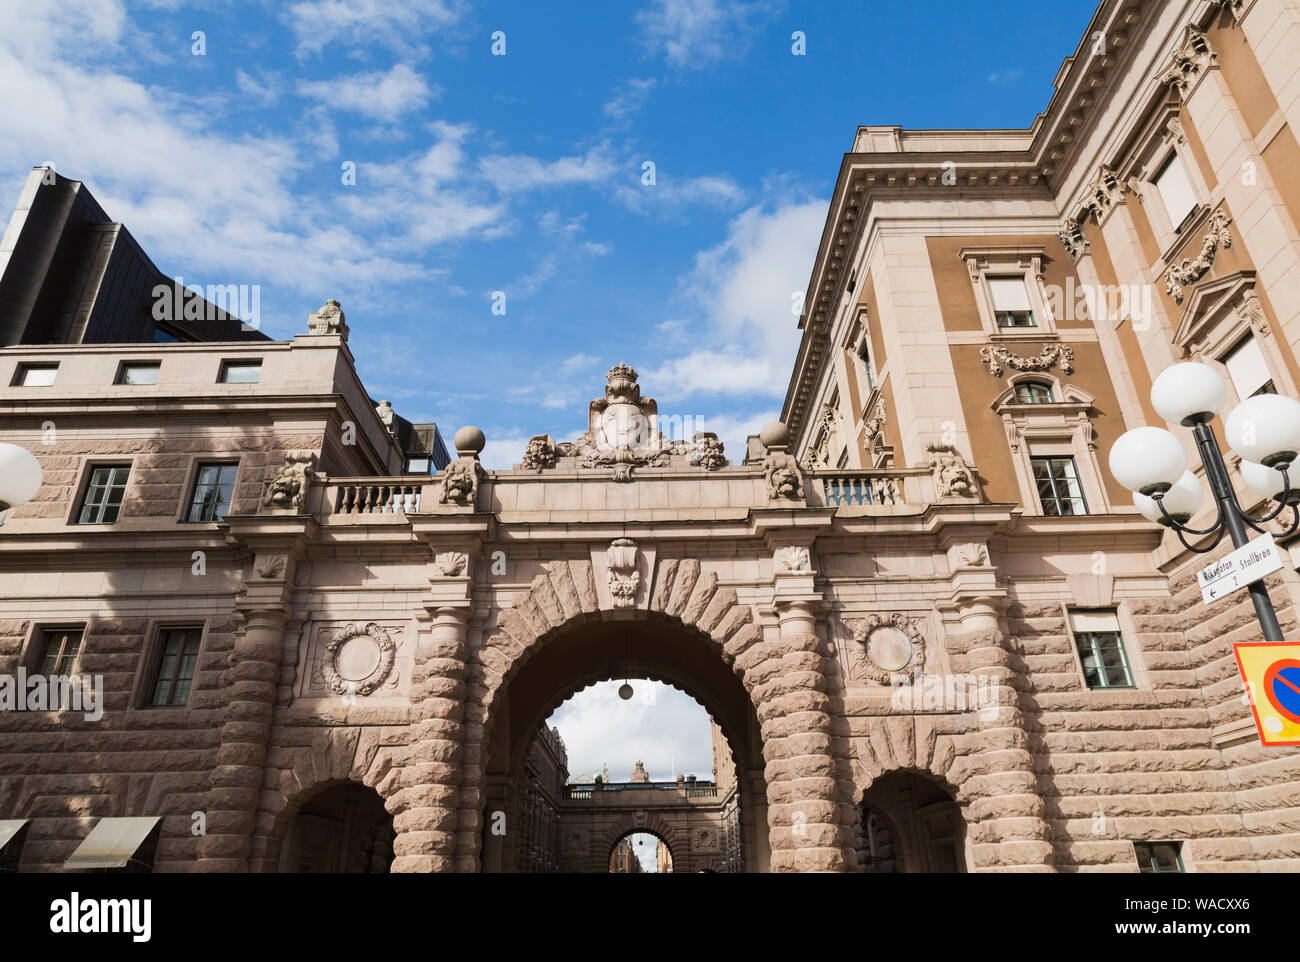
(557, 639)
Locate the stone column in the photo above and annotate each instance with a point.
(1009, 830)
(254, 674)
(786, 678)
(427, 808)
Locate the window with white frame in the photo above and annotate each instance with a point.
(1248, 370)
(1011, 307)
(1176, 191)
(1099, 641)
(1008, 286)
(1059, 491)
(1034, 392)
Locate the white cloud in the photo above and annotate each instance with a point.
(396, 24)
(629, 98)
(746, 287)
(266, 90)
(381, 95)
(521, 172)
(671, 195)
(662, 727)
(500, 454)
(697, 33)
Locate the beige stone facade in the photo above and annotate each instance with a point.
(900, 644)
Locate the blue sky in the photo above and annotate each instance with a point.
(519, 173)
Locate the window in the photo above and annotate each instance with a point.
(1059, 491)
(1101, 649)
(1246, 367)
(35, 375)
(1159, 856)
(417, 466)
(1011, 301)
(178, 653)
(864, 355)
(213, 489)
(1176, 191)
(143, 372)
(59, 651)
(1034, 392)
(103, 498)
(241, 372)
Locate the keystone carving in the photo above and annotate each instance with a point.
(288, 488)
(1192, 270)
(995, 357)
(623, 574)
(952, 476)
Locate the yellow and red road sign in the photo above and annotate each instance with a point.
(1271, 671)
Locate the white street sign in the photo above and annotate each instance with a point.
(1247, 564)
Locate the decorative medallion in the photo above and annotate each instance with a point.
(623, 574)
(890, 649)
(357, 661)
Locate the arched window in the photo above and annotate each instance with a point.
(1034, 392)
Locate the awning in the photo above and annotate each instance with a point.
(9, 828)
(112, 843)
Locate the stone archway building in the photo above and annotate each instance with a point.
(918, 593)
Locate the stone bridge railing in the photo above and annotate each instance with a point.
(852, 491)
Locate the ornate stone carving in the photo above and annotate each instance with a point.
(621, 430)
(1190, 60)
(890, 649)
(1251, 311)
(623, 574)
(971, 554)
(460, 482)
(451, 564)
(706, 451)
(1192, 270)
(540, 453)
(358, 661)
(288, 488)
(952, 476)
(794, 558)
(784, 480)
(269, 566)
(876, 423)
(1072, 237)
(387, 417)
(995, 356)
(1105, 192)
(330, 319)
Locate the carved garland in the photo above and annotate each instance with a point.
(996, 357)
(1192, 270)
(387, 657)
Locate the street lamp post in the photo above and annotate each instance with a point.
(1152, 463)
(20, 476)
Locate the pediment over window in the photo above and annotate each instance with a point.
(1067, 398)
(1215, 313)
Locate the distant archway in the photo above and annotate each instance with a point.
(343, 828)
(631, 837)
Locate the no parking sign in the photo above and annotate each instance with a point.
(1271, 671)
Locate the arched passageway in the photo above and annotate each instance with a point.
(910, 823)
(530, 825)
(628, 856)
(342, 828)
